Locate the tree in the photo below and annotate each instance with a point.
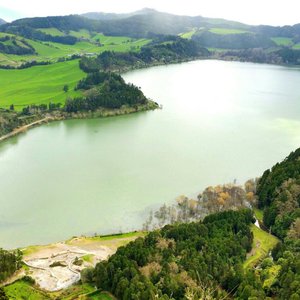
(66, 88)
(3, 296)
(87, 275)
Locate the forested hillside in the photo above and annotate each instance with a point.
(201, 260)
(279, 195)
(206, 259)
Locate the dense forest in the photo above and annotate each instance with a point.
(279, 195)
(201, 260)
(106, 90)
(260, 55)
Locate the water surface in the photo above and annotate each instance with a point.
(220, 121)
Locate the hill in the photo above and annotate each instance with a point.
(270, 44)
(137, 24)
(2, 21)
(115, 16)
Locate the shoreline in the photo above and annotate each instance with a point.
(55, 266)
(99, 113)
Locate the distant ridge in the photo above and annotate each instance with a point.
(148, 23)
(2, 21)
(115, 16)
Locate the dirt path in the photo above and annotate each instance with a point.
(25, 127)
(57, 266)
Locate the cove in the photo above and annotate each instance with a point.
(220, 122)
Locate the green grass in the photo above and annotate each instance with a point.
(52, 31)
(100, 296)
(297, 46)
(217, 49)
(119, 236)
(259, 214)
(73, 292)
(282, 41)
(223, 31)
(23, 290)
(271, 274)
(263, 242)
(88, 258)
(189, 34)
(106, 40)
(50, 51)
(82, 33)
(40, 84)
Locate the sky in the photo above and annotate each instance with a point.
(254, 12)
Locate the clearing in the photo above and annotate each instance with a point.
(263, 243)
(57, 266)
(223, 31)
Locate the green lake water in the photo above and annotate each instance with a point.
(220, 122)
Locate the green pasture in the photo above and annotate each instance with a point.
(40, 84)
(52, 31)
(189, 34)
(259, 214)
(297, 46)
(282, 41)
(50, 51)
(223, 31)
(81, 34)
(263, 242)
(23, 290)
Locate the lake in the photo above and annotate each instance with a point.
(220, 122)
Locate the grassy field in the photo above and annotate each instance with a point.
(52, 31)
(226, 31)
(282, 41)
(50, 51)
(188, 35)
(81, 34)
(263, 242)
(217, 49)
(259, 214)
(40, 84)
(23, 290)
(113, 241)
(99, 296)
(297, 46)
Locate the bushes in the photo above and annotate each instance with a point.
(106, 90)
(9, 263)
